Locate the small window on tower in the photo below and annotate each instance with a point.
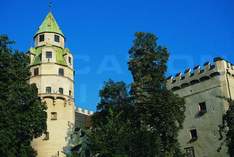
(48, 54)
(61, 71)
(202, 107)
(193, 134)
(41, 37)
(69, 60)
(70, 93)
(53, 115)
(46, 136)
(36, 71)
(60, 90)
(56, 38)
(48, 90)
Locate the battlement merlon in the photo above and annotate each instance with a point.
(190, 77)
(84, 111)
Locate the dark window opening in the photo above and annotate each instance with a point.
(61, 72)
(46, 136)
(36, 71)
(189, 152)
(41, 37)
(53, 115)
(69, 60)
(40, 57)
(56, 38)
(60, 90)
(193, 134)
(48, 54)
(48, 90)
(202, 107)
(70, 93)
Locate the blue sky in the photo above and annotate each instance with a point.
(100, 32)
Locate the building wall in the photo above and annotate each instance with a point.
(83, 118)
(204, 85)
(49, 40)
(52, 143)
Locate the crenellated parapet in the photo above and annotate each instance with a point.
(84, 111)
(200, 73)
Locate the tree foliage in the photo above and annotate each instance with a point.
(142, 120)
(229, 120)
(82, 144)
(158, 108)
(110, 123)
(23, 116)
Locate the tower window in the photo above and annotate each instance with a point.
(53, 115)
(70, 93)
(60, 90)
(193, 134)
(69, 60)
(61, 71)
(202, 107)
(40, 57)
(36, 71)
(56, 38)
(48, 54)
(41, 37)
(46, 136)
(48, 90)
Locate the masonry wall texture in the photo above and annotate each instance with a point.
(211, 86)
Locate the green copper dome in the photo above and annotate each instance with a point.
(49, 25)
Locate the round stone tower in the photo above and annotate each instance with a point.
(52, 72)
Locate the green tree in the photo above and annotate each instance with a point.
(158, 108)
(23, 116)
(82, 144)
(145, 119)
(229, 120)
(110, 123)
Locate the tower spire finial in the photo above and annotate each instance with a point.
(50, 5)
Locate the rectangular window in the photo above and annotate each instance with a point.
(202, 107)
(61, 72)
(60, 90)
(53, 115)
(48, 54)
(193, 134)
(36, 71)
(48, 90)
(46, 136)
(70, 93)
(41, 37)
(189, 152)
(40, 57)
(69, 60)
(56, 38)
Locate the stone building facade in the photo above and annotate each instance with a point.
(205, 91)
(83, 118)
(53, 73)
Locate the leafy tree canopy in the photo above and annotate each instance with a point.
(23, 116)
(142, 120)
